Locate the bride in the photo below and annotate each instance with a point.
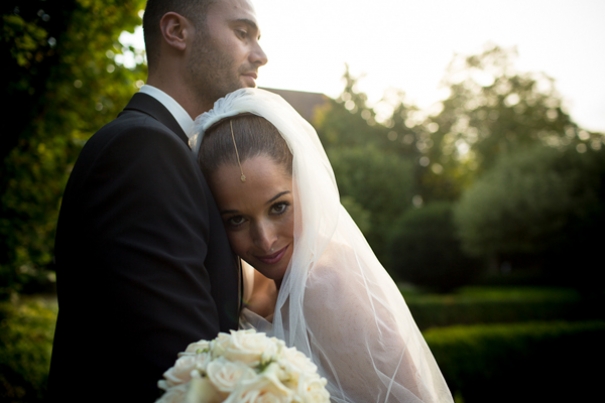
(280, 205)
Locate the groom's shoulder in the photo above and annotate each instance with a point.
(142, 114)
(131, 123)
(132, 129)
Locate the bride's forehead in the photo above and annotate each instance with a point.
(264, 181)
(261, 168)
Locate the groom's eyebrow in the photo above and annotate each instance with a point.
(277, 196)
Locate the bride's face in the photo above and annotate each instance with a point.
(258, 214)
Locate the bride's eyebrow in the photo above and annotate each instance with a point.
(277, 196)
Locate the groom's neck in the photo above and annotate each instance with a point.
(181, 92)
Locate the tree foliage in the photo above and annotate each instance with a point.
(66, 80)
(347, 121)
(376, 184)
(425, 250)
(67, 77)
(493, 110)
(26, 334)
(542, 202)
(493, 113)
(374, 171)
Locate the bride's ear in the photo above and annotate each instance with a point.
(176, 30)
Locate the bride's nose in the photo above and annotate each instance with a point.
(264, 236)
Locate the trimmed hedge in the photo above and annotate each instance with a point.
(482, 363)
(26, 334)
(532, 362)
(503, 306)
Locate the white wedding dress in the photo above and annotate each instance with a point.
(336, 303)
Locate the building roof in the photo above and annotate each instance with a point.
(305, 103)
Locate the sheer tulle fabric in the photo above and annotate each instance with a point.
(337, 304)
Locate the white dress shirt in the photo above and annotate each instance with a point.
(177, 111)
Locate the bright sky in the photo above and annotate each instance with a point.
(407, 45)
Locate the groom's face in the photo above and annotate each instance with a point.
(226, 54)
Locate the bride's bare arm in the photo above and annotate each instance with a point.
(260, 293)
(366, 343)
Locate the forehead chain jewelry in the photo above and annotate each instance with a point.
(243, 177)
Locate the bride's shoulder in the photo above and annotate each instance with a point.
(332, 271)
(332, 257)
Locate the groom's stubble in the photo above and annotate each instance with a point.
(219, 58)
(212, 71)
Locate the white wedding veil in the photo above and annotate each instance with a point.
(336, 303)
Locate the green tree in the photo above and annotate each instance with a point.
(377, 183)
(66, 80)
(376, 162)
(425, 250)
(542, 206)
(492, 110)
(348, 121)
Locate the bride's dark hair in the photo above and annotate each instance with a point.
(253, 135)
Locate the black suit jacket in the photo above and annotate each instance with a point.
(143, 263)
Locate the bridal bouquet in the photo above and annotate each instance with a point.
(243, 366)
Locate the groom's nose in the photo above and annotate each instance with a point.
(257, 56)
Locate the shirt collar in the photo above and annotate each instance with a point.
(177, 111)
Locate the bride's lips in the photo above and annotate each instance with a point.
(273, 258)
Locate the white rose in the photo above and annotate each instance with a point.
(225, 375)
(201, 390)
(181, 372)
(276, 375)
(312, 389)
(175, 394)
(198, 347)
(162, 384)
(260, 390)
(296, 362)
(271, 398)
(201, 361)
(248, 347)
(219, 344)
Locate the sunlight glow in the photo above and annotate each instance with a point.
(407, 45)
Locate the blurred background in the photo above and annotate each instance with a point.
(467, 138)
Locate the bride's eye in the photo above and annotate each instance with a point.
(235, 221)
(279, 208)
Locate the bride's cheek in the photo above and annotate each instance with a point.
(295, 225)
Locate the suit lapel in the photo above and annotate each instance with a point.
(143, 103)
(150, 106)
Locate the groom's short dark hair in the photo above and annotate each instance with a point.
(193, 10)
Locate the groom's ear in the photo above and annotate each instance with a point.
(175, 30)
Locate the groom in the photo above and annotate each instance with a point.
(143, 263)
